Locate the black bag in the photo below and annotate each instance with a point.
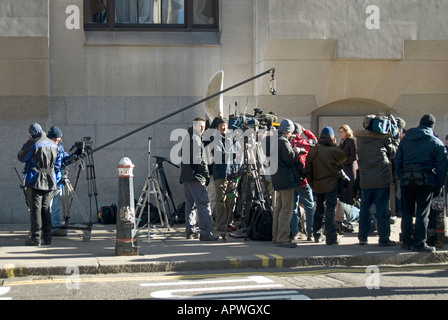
(108, 214)
(414, 176)
(178, 216)
(260, 228)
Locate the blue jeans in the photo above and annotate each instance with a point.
(305, 196)
(325, 204)
(379, 196)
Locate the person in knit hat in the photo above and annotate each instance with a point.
(55, 134)
(39, 155)
(284, 180)
(323, 171)
(420, 155)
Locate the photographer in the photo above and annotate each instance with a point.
(284, 181)
(55, 134)
(39, 153)
(303, 193)
(375, 153)
(224, 203)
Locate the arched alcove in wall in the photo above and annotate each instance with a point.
(347, 111)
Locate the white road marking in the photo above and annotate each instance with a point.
(261, 283)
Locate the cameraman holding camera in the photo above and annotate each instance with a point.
(55, 134)
(375, 153)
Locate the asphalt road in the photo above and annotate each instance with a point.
(411, 282)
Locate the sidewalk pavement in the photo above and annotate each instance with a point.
(170, 251)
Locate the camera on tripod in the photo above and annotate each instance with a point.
(257, 120)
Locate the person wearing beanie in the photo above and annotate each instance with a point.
(421, 165)
(303, 193)
(286, 126)
(327, 132)
(428, 120)
(55, 134)
(35, 130)
(39, 153)
(323, 171)
(375, 154)
(284, 180)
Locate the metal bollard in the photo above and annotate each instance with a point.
(126, 244)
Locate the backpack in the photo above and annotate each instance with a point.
(260, 227)
(108, 214)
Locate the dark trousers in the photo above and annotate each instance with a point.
(325, 205)
(40, 214)
(416, 201)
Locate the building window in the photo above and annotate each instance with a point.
(158, 15)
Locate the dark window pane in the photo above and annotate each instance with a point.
(95, 11)
(203, 12)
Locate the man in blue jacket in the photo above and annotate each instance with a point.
(55, 134)
(421, 165)
(39, 153)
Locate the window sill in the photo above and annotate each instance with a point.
(142, 38)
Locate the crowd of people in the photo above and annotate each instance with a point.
(313, 177)
(367, 167)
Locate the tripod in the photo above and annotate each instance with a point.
(250, 187)
(161, 193)
(68, 196)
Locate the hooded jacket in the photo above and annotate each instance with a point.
(375, 152)
(194, 166)
(40, 155)
(420, 147)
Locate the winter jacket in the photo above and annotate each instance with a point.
(287, 175)
(323, 167)
(194, 165)
(59, 165)
(40, 155)
(375, 152)
(305, 144)
(420, 147)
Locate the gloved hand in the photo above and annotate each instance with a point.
(207, 181)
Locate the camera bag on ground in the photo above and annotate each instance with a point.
(108, 214)
(260, 227)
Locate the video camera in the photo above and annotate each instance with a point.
(385, 125)
(257, 120)
(79, 150)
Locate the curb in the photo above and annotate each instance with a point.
(406, 258)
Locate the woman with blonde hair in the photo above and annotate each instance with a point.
(348, 145)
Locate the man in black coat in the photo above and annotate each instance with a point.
(284, 180)
(195, 177)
